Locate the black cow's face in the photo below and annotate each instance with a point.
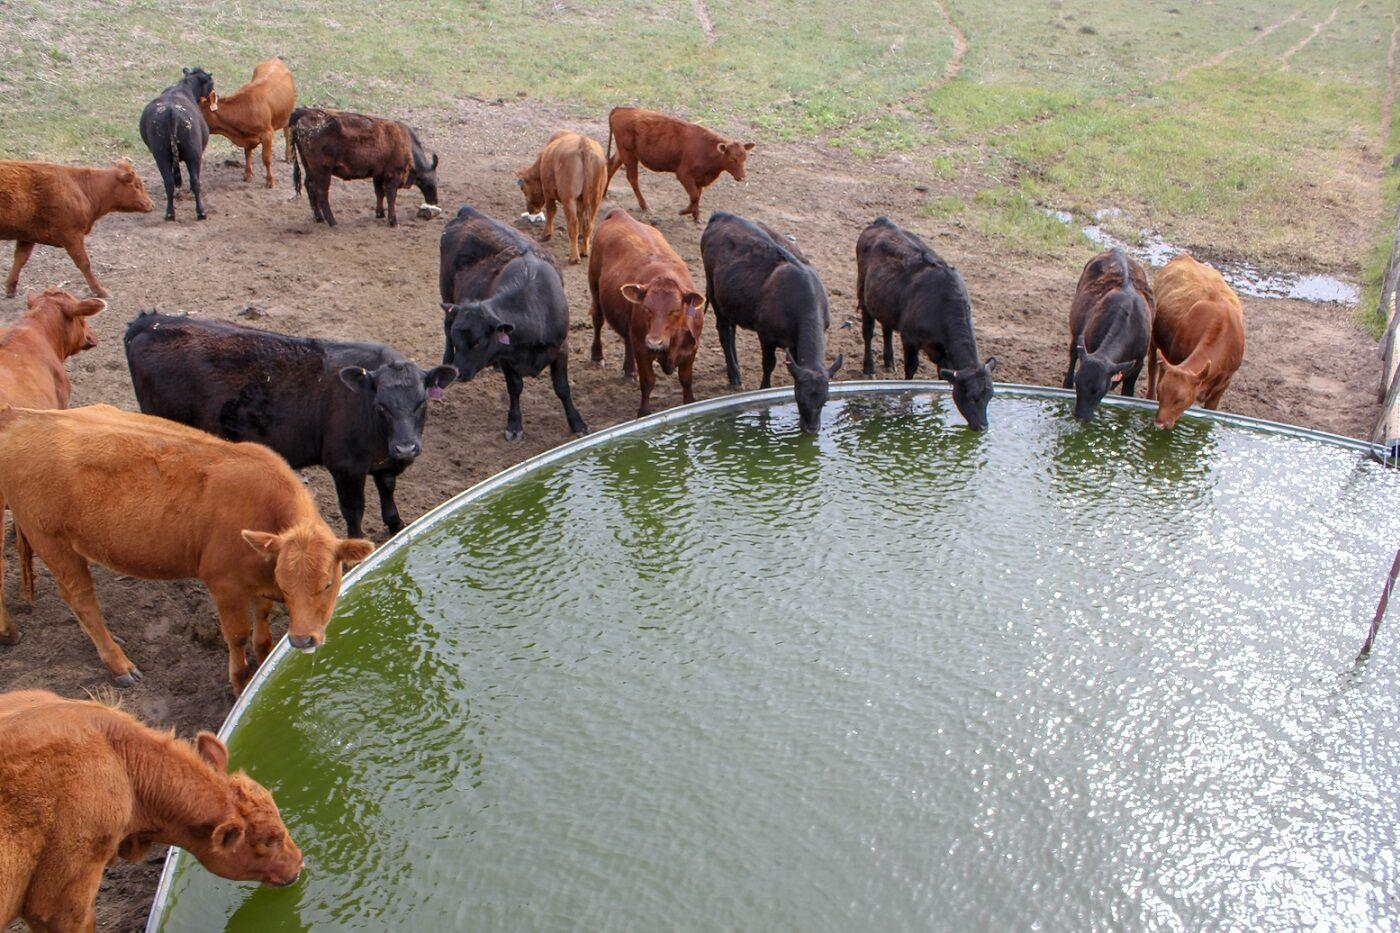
(201, 82)
(400, 391)
(972, 391)
(1093, 377)
(478, 336)
(811, 386)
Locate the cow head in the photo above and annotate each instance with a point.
(1177, 390)
(477, 336)
(528, 180)
(424, 173)
(399, 393)
(810, 385)
(307, 565)
(732, 155)
(70, 314)
(972, 391)
(1093, 376)
(199, 82)
(673, 318)
(129, 194)
(247, 841)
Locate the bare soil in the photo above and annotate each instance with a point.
(1306, 364)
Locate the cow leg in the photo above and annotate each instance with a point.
(388, 509)
(867, 332)
(22, 251)
(379, 198)
(1152, 371)
(64, 885)
(648, 382)
(9, 635)
(559, 375)
(731, 354)
(248, 162)
(313, 197)
(597, 312)
(770, 360)
(1130, 380)
(70, 570)
(192, 164)
(683, 373)
(170, 178)
(287, 140)
(629, 361)
(267, 156)
(233, 623)
(1069, 373)
(77, 250)
(571, 224)
(350, 491)
(262, 632)
(392, 194)
(324, 193)
(911, 359)
(634, 182)
(515, 430)
(692, 189)
(551, 207)
(889, 347)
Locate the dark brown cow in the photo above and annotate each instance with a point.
(644, 291)
(250, 115)
(82, 783)
(668, 144)
(1110, 324)
(340, 144)
(57, 205)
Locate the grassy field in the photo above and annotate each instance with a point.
(1248, 129)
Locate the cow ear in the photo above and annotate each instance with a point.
(187, 71)
(947, 375)
(358, 379)
(694, 300)
(87, 307)
(353, 550)
(440, 377)
(449, 309)
(212, 750)
(264, 542)
(435, 161)
(227, 834)
(722, 147)
(991, 365)
(1205, 371)
(634, 293)
(1081, 347)
(836, 366)
(791, 364)
(748, 147)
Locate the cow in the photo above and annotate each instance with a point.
(1197, 339)
(149, 498)
(32, 350)
(252, 114)
(82, 783)
(756, 280)
(503, 305)
(1110, 324)
(57, 205)
(570, 170)
(340, 144)
(643, 289)
(907, 287)
(357, 409)
(175, 131)
(664, 143)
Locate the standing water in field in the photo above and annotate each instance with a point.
(716, 675)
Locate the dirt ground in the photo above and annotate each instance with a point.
(1306, 364)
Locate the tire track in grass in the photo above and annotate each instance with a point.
(1223, 54)
(1316, 31)
(1388, 101)
(702, 15)
(960, 47)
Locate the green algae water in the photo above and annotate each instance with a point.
(716, 675)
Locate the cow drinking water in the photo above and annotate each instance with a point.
(1197, 339)
(1110, 325)
(354, 408)
(754, 279)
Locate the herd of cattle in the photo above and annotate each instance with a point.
(229, 412)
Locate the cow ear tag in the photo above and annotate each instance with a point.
(436, 394)
(503, 337)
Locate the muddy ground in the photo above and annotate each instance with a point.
(1306, 364)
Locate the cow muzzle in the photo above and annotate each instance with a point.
(405, 451)
(306, 644)
(655, 344)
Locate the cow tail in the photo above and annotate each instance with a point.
(610, 116)
(26, 565)
(296, 168)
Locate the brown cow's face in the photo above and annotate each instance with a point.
(530, 185)
(251, 842)
(732, 155)
(308, 561)
(130, 193)
(673, 319)
(1176, 391)
(74, 333)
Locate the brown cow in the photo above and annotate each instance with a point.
(570, 170)
(341, 144)
(82, 783)
(250, 115)
(667, 144)
(154, 499)
(57, 205)
(1198, 333)
(643, 289)
(32, 350)
(1110, 327)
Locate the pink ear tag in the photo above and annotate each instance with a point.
(503, 337)
(435, 393)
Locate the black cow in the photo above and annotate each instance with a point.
(907, 287)
(175, 131)
(1110, 324)
(503, 305)
(754, 279)
(354, 408)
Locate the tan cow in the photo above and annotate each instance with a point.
(569, 170)
(57, 205)
(32, 350)
(252, 114)
(82, 783)
(154, 499)
(1197, 339)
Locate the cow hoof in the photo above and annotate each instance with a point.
(581, 430)
(201, 216)
(395, 526)
(10, 638)
(514, 436)
(11, 291)
(130, 679)
(170, 215)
